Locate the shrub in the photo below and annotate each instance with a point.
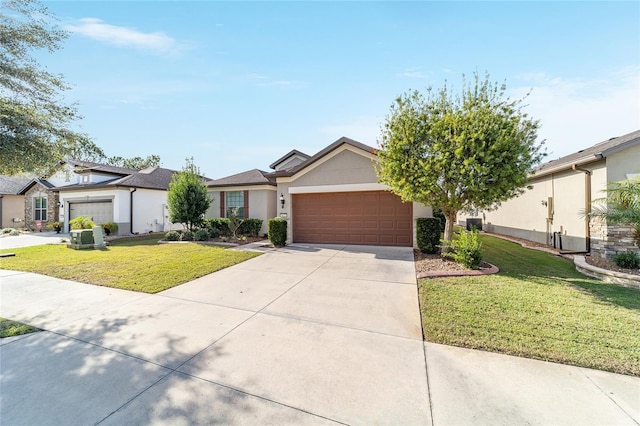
(110, 227)
(627, 259)
(201, 235)
(186, 236)
(277, 231)
(172, 236)
(250, 227)
(443, 220)
(466, 249)
(81, 222)
(428, 234)
(221, 224)
(213, 232)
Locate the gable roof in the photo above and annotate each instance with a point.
(97, 167)
(591, 154)
(12, 185)
(250, 177)
(154, 178)
(29, 185)
(287, 156)
(343, 140)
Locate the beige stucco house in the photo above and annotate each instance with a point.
(12, 200)
(332, 197)
(552, 211)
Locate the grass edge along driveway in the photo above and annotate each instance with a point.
(138, 263)
(537, 307)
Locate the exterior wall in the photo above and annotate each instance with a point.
(52, 206)
(12, 207)
(262, 203)
(623, 163)
(344, 170)
(150, 213)
(529, 218)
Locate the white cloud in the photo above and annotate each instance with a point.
(412, 73)
(577, 113)
(365, 129)
(123, 37)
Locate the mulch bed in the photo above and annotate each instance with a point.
(434, 265)
(603, 263)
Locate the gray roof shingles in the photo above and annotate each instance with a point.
(592, 153)
(12, 185)
(250, 177)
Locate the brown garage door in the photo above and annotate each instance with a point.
(372, 217)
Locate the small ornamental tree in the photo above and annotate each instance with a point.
(188, 199)
(458, 152)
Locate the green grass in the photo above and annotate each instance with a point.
(539, 307)
(138, 264)
(10, 328)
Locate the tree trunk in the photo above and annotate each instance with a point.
(448, 228)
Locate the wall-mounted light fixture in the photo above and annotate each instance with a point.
(544, 203)
(282, 200)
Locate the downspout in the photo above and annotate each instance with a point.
(131, 208)
(587, 209)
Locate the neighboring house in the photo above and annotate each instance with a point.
(12, 200)
(134, 199)
(552, 211)
(332, 197)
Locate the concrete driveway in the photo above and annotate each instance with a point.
(31, 239)
(300, 335)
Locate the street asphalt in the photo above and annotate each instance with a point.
(299, 335)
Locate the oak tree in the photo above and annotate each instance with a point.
(35, 122)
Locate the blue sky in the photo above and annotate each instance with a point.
(238, 84)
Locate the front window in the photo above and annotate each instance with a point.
(235, 200)
(40, 208)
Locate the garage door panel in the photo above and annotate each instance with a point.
(373, 217)
(100, 211)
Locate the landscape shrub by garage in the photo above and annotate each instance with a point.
(277, 231)
(81, 222)
(250, 227)
(466, 249)
(428, 234)
(186, 236)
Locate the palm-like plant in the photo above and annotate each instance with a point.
(621, 205)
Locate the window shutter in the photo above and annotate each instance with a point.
(246, 204)
(222, 210)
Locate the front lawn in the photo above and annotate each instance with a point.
(10, 328)
(539, 307)
(139, 263)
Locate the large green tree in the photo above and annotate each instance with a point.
(458, 151)
(188, 199)
(35, 133)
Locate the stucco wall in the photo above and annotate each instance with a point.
(622, 163)
(527, 215)
(12, 206)
(150, 212)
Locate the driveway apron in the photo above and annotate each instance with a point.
(299, 335)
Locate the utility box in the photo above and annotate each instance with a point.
(474, 223)
(81, 239)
